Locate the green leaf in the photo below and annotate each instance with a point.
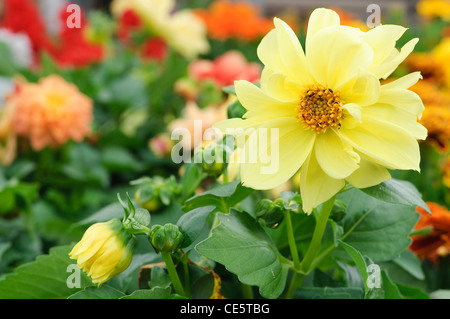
(329, 293)
(222, 196)
(391, 290)
(397, 192)
(241, 245)
(359, 262)
(154, 293)
(192, 223)
(45, 278)
(159, 278)
(377, 229)
(103, 292)
(119, 159)
(410, 263)
(412, 292)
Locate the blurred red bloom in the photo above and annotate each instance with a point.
(225, 69)
(24, 16)
(74, 49)
(69, 48)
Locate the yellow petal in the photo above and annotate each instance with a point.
(385, 68)
(316, 186)
(403, 99)
(335, 56)
(398, 116)
(254, 99)
(363, 89)
(386, 144)
(335, 159)
(382, 39)
(291, 51)
(354, 110)
(368, 174)
(272, 163)
(278, 86)
(319, 19)
(405, 82)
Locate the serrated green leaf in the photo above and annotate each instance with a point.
(45, 278)
(192, 223)
(154, 293)
(410, 263)
(397, 192)
(241, 245)
(102, 292)
(329, 293)
(377, 229)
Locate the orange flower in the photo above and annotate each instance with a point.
(8, 141)
(436, 117)
(240, 20)
(50, 112)
(435, 242)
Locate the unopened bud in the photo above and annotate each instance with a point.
(167, 238)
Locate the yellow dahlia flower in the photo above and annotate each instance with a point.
(105, 250)
(334, 119)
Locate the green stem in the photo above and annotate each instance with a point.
(173, 273)
(302, 269)
(294, 254)
(314, 246)
(291, 240)
(186, 279)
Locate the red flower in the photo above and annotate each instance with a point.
(129, 22)
(225, 69)
(74, 49)
(24, 16)
(154, 49)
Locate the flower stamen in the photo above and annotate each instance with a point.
(319, 108)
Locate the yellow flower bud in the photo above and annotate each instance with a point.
(105, 250)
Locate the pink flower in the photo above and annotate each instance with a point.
(225, 69)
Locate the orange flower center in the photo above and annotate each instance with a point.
(319, 108)
(55, 100)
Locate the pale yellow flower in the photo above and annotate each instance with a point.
(182, 30)
(105, 250)
(154, 13)
(335, 122)
(186, 34)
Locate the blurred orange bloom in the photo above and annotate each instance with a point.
(436, 116)
(431, 9)
(240, 20)
(436, 241)
(349, 19)
(50, 112)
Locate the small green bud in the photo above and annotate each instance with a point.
(339, 211)
(213, 158)
(271, 212)
(167, 238)
(154, 193)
